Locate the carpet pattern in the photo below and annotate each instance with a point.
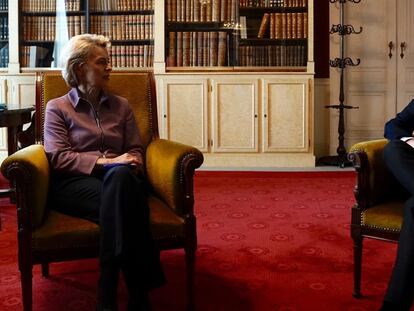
(267, 241)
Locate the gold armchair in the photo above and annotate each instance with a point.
(378, 210)
(45, 235)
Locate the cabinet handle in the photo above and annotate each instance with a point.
(265, 115)
(403, 45)
(391, 46)
(165, 116)
(255, 115)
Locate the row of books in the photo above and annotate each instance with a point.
(75, 5)
(4, 5)
(43, 28)
(4, 28)
(49, 5)
(132, 55)
(274, 3)
(121, 5)
(4, 56)
(284, 26)
(197, 49)
(124, 27)
(116, 27)
(273, 55)
(201, 11)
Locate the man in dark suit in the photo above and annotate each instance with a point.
(399, 157)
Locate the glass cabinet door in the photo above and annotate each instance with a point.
(273, 33)
(200, 33)
(236, 34)
(4, 34)
(48, 24)
(130, 26)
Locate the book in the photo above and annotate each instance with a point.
(243, 29)
(222, 48)
(264, 25)
(172, 50)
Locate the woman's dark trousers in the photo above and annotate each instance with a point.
(116, 200)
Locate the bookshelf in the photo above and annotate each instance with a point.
(273, 34)
(200, 33)
(235, 34)
(47, 25)
(4, 34)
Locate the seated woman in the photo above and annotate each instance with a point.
(94, 148)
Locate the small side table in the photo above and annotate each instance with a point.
(13, 119)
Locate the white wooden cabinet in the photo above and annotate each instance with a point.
(240, 120)
(383, 83)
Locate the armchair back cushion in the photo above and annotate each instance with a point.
(137, 87)
(382, 186)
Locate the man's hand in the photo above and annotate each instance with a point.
(125, 158)
(410, 142)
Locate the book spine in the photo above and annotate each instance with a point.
(263, 25)
(214, 48)
(288, 26)
(222, 48)
(179, 49)
(216, 11)
(186, 49)
(172, 50)
(305, 25)
(196, 9)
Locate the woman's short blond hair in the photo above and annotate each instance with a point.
(76, 51)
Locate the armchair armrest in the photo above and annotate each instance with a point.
(170, 169)
(28, 171)
(375, 183)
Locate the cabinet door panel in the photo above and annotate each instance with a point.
(285, 116)
(185, 112)
(23, 92)
(405, 63)
(234, 115)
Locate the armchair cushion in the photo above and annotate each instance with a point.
(387, 216)
(59, 231)
(164, 222)
(62, 231)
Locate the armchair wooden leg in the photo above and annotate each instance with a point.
(190, 268)
(45, 269)
(357, 267)
(26, 280)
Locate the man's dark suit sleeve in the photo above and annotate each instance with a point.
(402, 125)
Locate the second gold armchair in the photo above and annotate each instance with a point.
(378, 211)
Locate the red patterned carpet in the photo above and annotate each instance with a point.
(267, 241)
